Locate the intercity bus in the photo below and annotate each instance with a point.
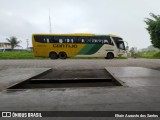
(78, 45)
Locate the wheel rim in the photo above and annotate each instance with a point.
(53, 56)
(62, 55)
(109, 56)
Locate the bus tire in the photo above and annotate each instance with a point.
(53, 55)
(62, 55)
(110, 55)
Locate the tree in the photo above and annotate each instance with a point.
(133, 52)
(153, 27)
(14, 42)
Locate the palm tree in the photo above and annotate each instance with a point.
(14, 42)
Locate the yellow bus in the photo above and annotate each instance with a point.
(78, 45)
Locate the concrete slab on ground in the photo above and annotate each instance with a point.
(136, 76)
(12, 76)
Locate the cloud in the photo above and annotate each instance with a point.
(122, 17)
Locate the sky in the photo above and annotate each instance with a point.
(125, 18)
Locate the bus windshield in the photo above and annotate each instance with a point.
(119, 43)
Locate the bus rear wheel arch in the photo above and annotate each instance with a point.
(62, 55)
(110, 55)
(53, 55)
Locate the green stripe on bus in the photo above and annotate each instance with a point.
(85, 49)
(94, 49)
(90, 49)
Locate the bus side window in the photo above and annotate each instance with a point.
(63, 39)
(75, 40)
(106, 42)
(41, 40)
(51, 40)
(81, 40)
(88, 40)
(68, 40)
(109, 40)
(47, 40)
(44, 40)
(99, 41)
(56, 39)
(72, 41)
(60, 40)
(94, 41)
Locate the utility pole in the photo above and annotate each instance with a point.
(50, 25)
(27, 43)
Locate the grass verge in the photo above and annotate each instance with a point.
(18, 55)
(149, 54)
(29, 55)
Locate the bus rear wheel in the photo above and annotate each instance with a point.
(53, 55)
(110, 56)
(62, 55)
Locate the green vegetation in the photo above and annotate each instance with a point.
(153, 27)
(133, 52)
(18, 55)
(149, 54)
(29, 55)
(157, 55)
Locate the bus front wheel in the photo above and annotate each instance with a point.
(62, 55)
(53, 55)
(110, 56)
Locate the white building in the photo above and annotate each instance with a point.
(4, 45)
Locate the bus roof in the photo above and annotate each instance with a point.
(70, 34)
(112, 35)
(80, 34)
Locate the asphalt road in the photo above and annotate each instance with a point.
(70, 64)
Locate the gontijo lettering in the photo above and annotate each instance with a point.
(64, 46)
